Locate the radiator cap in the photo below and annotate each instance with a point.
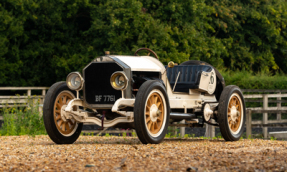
(107, 52)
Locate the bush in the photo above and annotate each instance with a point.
(67, 35)
(249, 80)
(22, 121)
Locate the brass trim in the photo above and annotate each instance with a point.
(113, 78)
(170, 64)
(82, 81)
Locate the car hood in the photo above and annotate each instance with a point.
(141, 63)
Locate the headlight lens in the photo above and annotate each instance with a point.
(119, 81)
(75, 81)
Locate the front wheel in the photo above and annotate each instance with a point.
(151, 112)
(60, 130)
(231, 113)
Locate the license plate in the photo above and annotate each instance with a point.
(105, 98)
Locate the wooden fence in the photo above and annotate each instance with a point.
(257, 95)
(22, 100)
(266, 97)
(261, 96)
(28, 99)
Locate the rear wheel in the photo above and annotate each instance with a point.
(231, 113)
(151, 112)
(60, 130)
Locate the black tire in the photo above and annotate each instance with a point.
(56, 90)
(151, 93)
(230, 123)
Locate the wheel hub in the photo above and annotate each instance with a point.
(234, 113)
(63, 113)
(154, 113)
(207, 112)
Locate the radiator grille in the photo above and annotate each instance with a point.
(97, 88)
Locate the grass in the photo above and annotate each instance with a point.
(22, 121)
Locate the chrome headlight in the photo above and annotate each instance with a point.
(119, 81)
(75, 81)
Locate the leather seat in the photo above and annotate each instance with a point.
(189, 77)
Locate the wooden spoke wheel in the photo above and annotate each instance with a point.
(66, 127)
(154, 113)
(231, 113)
(60, 129)
(234, 113)
(151, 112)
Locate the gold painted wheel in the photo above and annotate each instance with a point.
(151, 112)
(234, 113)
(154, 112)
(65, 127)
(231, 113)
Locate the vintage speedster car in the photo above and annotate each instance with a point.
(140, 92)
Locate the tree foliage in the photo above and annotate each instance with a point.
(42, 41)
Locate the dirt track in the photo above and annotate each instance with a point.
(91, 153)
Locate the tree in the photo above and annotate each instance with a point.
(42, 41)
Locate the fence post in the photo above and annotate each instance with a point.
(265, 115)
(249, 124)
(279, 106)
(43, 94)
(28, 92)
(42, 102)
(210, 130)
(182, 129)
(29, 98)
(174, 129)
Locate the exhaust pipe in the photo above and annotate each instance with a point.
(180, 116)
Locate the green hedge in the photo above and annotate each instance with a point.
(42, 41)
(247, 80)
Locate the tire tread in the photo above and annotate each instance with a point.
(48, 117)
(222, 117)
(144, 90)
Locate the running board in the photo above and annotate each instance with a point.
(180, 116)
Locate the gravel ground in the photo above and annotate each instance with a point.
(92, 153)
(197, 132)
(201, 131)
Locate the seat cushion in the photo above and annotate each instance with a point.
(189, 76)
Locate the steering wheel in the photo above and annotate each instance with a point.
(149, 50)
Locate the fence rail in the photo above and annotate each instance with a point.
(21, 100)
(264, 124)
(265, 110)
(261, 95)
(258, 95)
